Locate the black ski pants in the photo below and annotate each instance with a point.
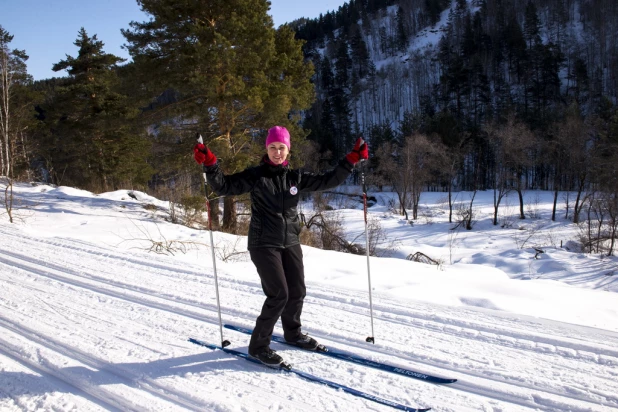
(283, 281)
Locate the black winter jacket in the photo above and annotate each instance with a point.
(275, 192)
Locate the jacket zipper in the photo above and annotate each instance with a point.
(285, 221)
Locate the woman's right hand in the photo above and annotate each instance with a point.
(203, 155)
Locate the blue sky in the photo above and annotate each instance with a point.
(47, 29)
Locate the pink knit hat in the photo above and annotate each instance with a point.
(278, 134)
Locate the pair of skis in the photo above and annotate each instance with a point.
(358, 360)
(341, 356)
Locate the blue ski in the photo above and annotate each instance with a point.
(313, 378)
(360, 360)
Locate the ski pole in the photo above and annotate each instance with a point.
(224, 343)
(369, 339)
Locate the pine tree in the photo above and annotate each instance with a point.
(340, 100)
(482, 40)
(359, 53)
(326, 137)
(380, 135)
(515, 43)
(579, 75)
(480, 93)
(402, 35)
(411, 123)
(343, 65)
(326, 75)
(456, 81)
(468, 46)
(235, 74)
(227, 62)
(532, 25)
(289, 86)
(433, 9)
(96, 142)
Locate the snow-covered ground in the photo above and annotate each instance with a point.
(90, 320)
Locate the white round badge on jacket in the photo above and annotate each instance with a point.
(293, 190)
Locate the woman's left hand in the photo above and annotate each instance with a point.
(360, 152)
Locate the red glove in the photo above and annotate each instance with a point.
(203, 155)
(360, 152)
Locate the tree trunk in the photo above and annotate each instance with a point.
(470, 214)
(589, 230)
(553, 211)
(576, 208)
(214, 214)
(8, 198)
(450, 203)
(610, 252)
(229, 215)
(521, 203)
(415, 200)
(402, 204)
(497, 199)
(579, 202)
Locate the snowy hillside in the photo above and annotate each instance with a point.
(91, 321)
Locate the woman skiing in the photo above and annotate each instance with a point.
(273, 240)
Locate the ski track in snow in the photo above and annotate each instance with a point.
(61, 322)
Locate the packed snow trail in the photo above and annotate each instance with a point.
(287, 368)
(92, 327)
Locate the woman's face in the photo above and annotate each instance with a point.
(277, 152)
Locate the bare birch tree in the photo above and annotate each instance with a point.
(517, 141)
(12, 74)
(409, 169)
(500, 169)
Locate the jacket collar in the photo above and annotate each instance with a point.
(266, 161)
